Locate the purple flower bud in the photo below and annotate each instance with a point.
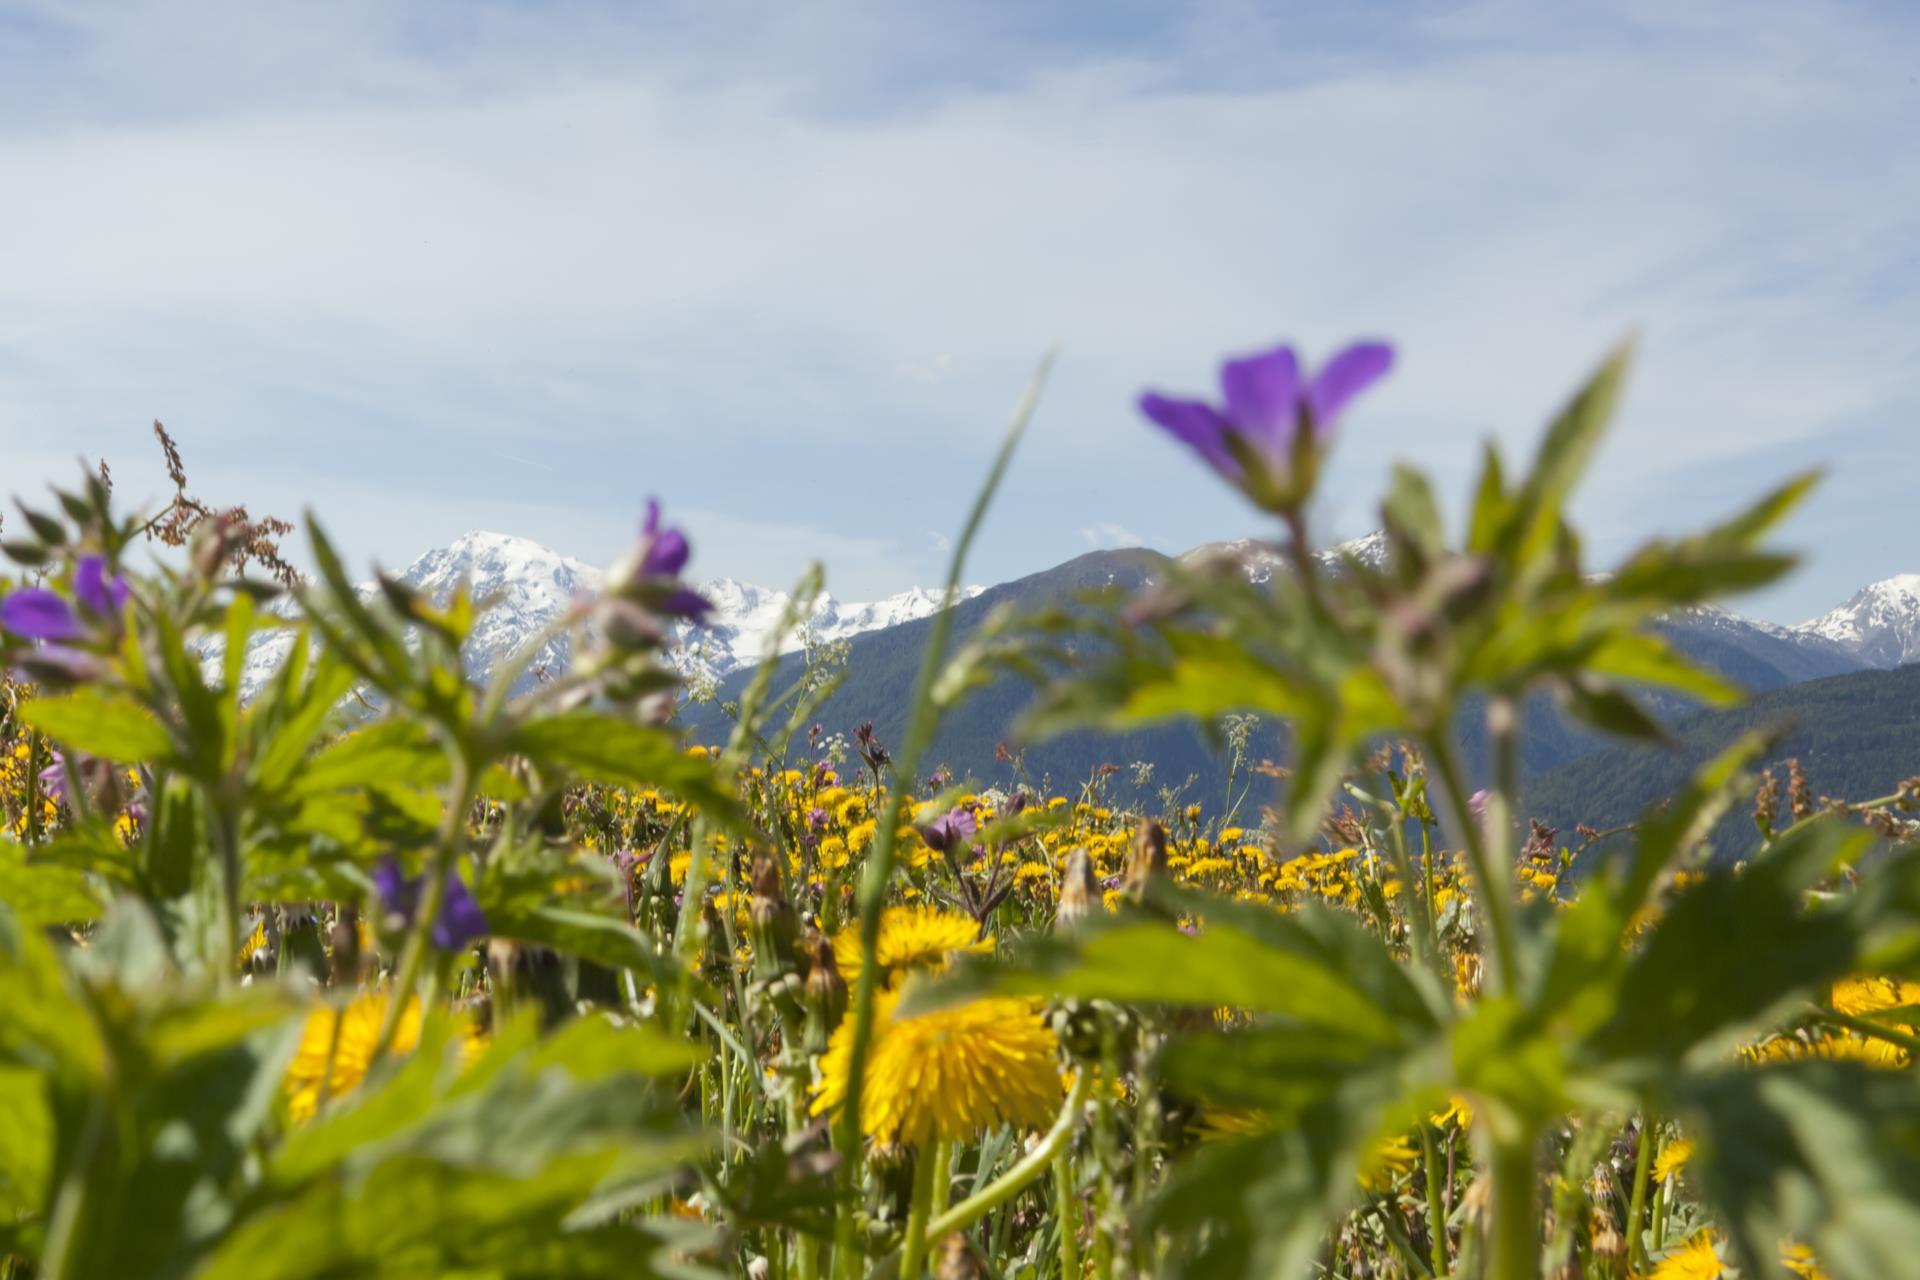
(816, 819)
(665, 551)
(949, 830)
(39, 614)
(102, 596)
(53, 780)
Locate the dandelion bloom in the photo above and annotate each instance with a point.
(1673, 1158)
(1270, 413)
(1697, 1259)
(950, 1074)
(359, 1031)
(911, 938)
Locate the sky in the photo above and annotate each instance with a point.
(518, 266)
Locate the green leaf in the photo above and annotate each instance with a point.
(1733, 951)
(388, 754)
(1569, 443)
(1823, 1153)
(600, 939)
(109, 725)
(44, 894)
(1314, 966)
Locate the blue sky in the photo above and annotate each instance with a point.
(434, 267)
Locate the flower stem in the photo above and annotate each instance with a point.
(1436, 1211)
(1637, 1206)
(1020, 1176)
(1515, 1227)
(926, 1174)
(1066, 1208)
(923, 719)
(1492, 876)
(413, 952)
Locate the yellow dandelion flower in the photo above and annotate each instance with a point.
(910, 938)
(256, 943)
(1697, 1259)
(359, 1031)
(1459, 1114)
(1386, 1162)
(949, 1074)
(1799, 1259)
(1673, 1158)
(1863, 996)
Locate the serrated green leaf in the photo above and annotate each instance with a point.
(99, 723)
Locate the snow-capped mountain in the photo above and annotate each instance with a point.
(1880, 625)
(532, 586)
(1263, 558)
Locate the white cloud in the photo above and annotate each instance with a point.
(1107, 535)
(364, 263)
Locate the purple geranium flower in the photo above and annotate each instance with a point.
(39, 614)
(1267, 408)
(949, 829)
(460, 921)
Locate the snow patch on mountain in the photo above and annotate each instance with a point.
(532, 587)
(1880, 625)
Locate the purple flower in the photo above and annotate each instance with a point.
(100, 595)
(948, 830)
(39, 614)
(1252, 439)
(460, 921)
(53, 780)
(667, 550)
(816, 819)
(398, 893)
(1477, 803)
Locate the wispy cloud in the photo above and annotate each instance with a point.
(1107, 535)
(793, 272)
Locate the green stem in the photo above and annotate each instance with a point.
(413, 952)
(1066, 1208)
(926, 1172)
(1637, 1206)
(1022, 1175)
(1492, 876)
(1660, 1217)
(1873, 1030)
(942, 1176)
(1515, 1227)
(1436, 1210)
(923, 718)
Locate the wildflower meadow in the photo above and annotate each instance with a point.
(392, 969)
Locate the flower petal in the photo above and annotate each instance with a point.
(101, 595)
(1197, 425)
(1263, 398)
(1344, 377)
(39, 614)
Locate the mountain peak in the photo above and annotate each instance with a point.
(1879, 624)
